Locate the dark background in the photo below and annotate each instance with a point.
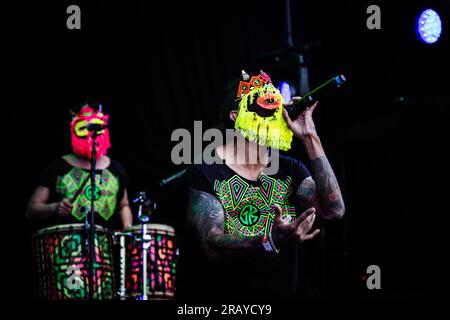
(159, 65)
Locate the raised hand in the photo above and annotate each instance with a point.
(302, 126)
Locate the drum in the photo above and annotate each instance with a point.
(162, 259)
(60, 258)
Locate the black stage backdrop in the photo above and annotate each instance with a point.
(160, 65)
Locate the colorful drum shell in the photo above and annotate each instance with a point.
(60, 260)
(162, 262)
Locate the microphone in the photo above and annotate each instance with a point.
(308, 99)
(96, 127)
(167, 180)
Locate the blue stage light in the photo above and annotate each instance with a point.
(429, 26)
(285, 90)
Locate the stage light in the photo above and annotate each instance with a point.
(285, 90)
(429, 26)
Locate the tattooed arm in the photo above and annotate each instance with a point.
(320, 191)
(207, 216)
(323, 193)
(208, 219)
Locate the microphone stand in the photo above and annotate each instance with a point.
(175, 176)
(292, 59)
(91, 249)
(145, 242)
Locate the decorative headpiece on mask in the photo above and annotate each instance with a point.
(82, 137)
(260, 118)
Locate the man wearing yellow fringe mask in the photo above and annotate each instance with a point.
(260, 118)
(247, 221)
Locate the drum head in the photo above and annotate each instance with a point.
(152, 226)
(66, 227)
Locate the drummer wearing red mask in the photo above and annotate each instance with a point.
(64, 192)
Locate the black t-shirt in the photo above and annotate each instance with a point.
(67, 181)
(248, 211)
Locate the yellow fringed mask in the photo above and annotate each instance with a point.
(260, 118)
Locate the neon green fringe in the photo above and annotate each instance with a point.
(270, 131)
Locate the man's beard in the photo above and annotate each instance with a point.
(83, 146)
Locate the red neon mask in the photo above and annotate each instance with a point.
(82, 137)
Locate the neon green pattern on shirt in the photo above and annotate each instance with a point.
(107, 187)
(248, 209)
